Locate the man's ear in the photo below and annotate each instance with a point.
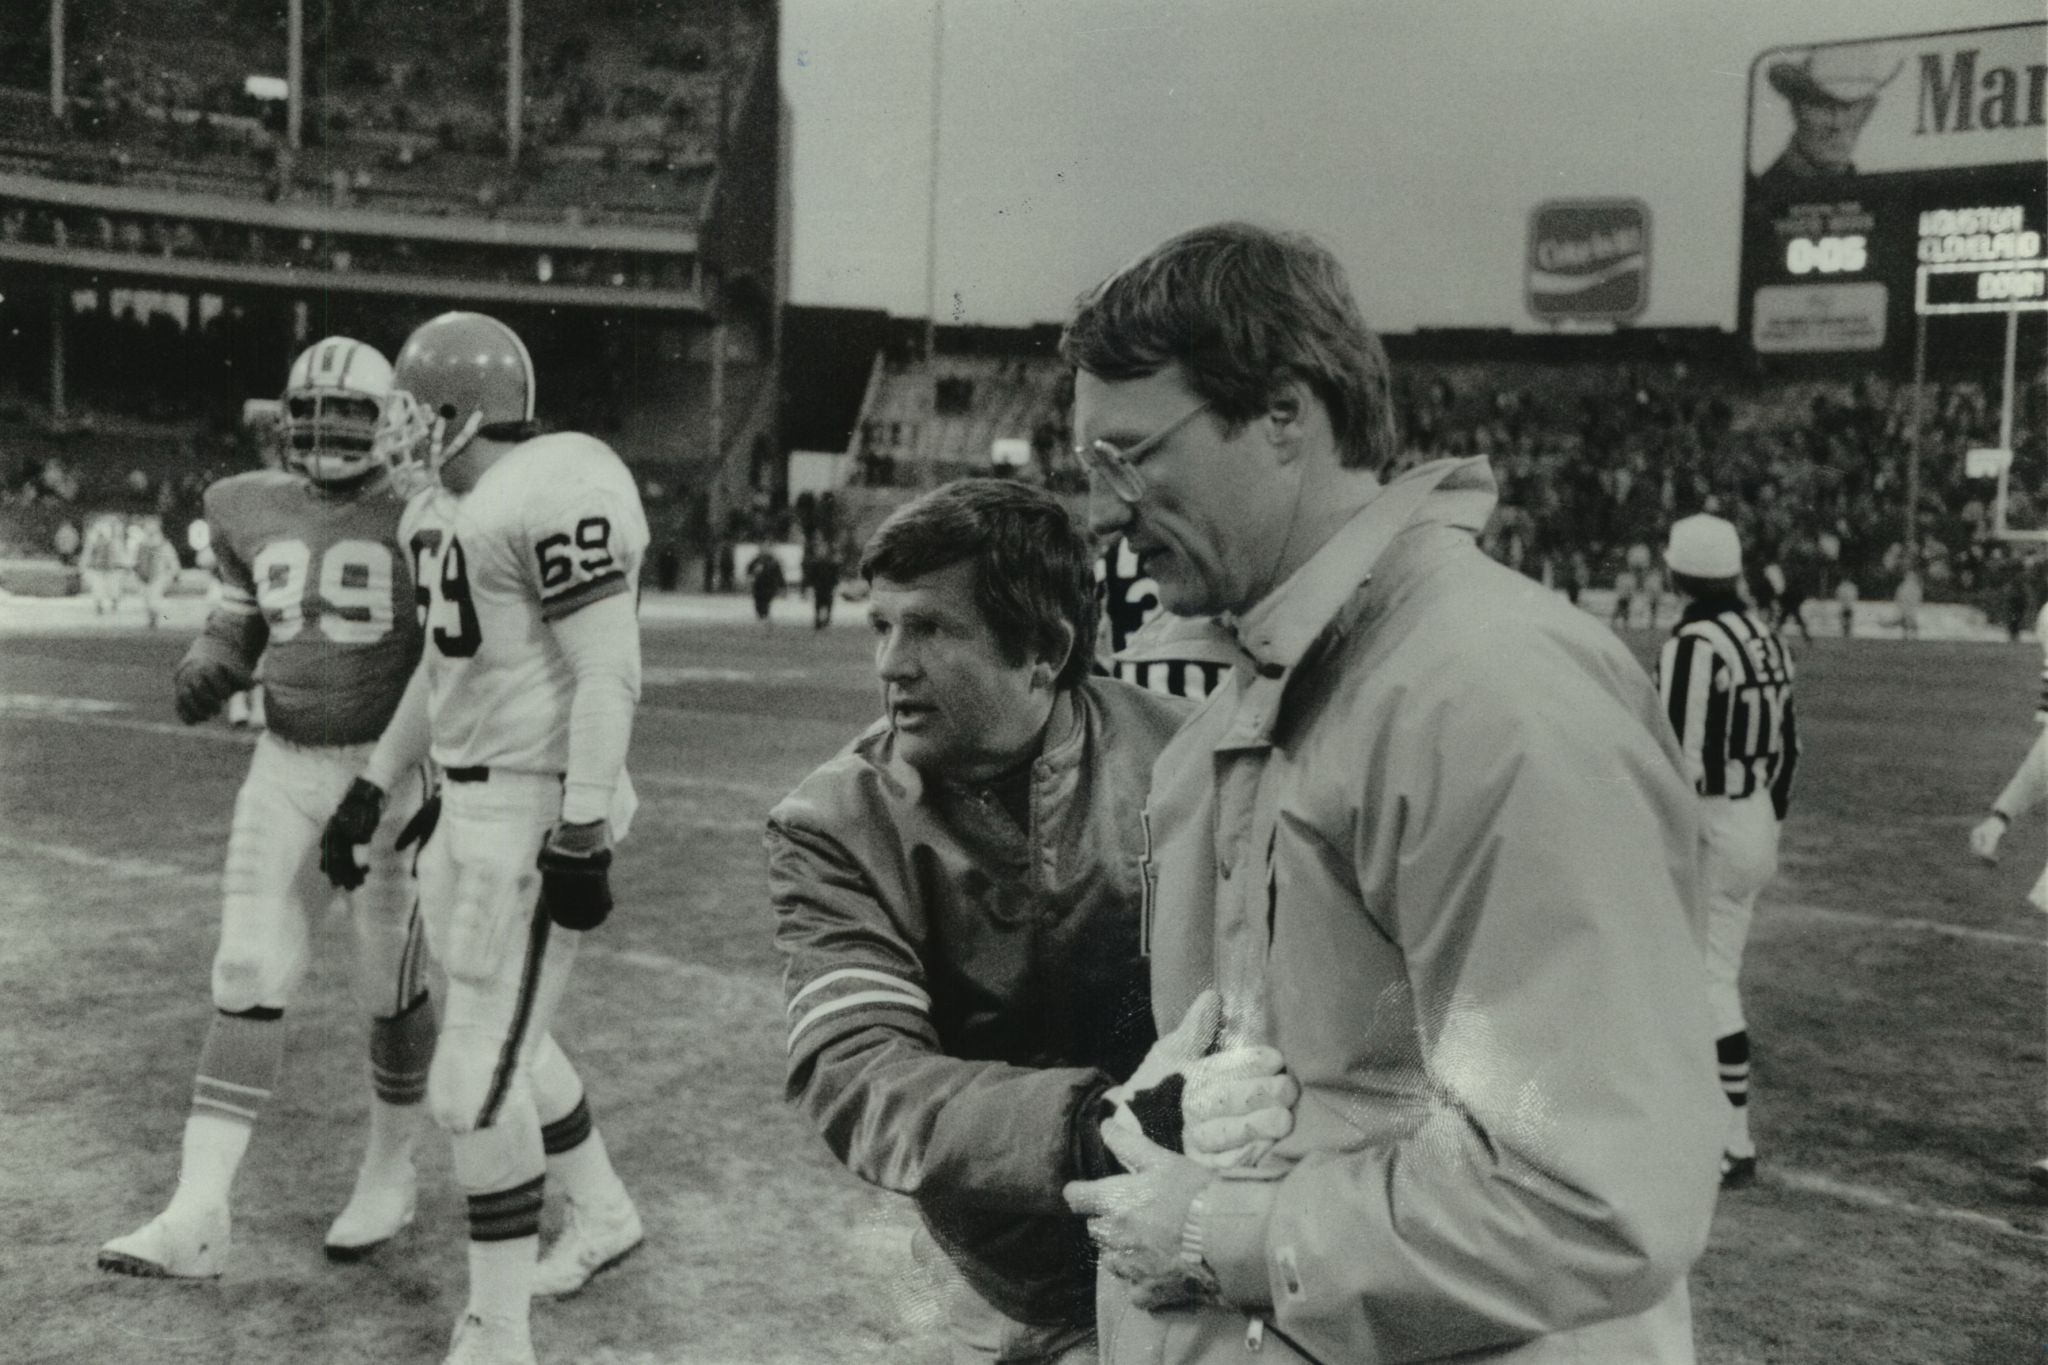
(1286, 418)
(1046, 671)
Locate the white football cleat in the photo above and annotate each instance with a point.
(381, 1208)
(184, 1248)
(591, 1241)
(478, 1342)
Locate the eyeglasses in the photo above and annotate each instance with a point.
(1119, 467)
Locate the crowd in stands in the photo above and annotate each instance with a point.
(1594, 461)
(405, 104)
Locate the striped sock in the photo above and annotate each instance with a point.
(1732, 1054)
(238, 1068)
(578, 1161)
(568, 1132)
(504, 1246)
(401, 1051)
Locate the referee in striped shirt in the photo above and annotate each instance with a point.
(1726, 680)
(1141, 644)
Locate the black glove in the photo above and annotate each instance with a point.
(353, 822)
(575, 875)
(204, 685)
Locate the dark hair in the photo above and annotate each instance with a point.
(1033, 572)
(1242, 308)
(1693, 586)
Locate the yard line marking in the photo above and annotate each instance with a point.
(1811, 1182)
(677, 675)
(1865, 920)
(233, 736)
(212, 733)
(137, 869)
(764, 992)
(676, 782)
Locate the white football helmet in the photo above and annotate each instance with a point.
(332, 404)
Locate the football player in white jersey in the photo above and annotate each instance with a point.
(527, 553)
(315, 585)
(2024, 792)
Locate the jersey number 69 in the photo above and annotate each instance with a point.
(443, 577)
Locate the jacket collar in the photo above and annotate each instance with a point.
(1274, 634)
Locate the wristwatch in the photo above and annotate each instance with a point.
(1194, 1254)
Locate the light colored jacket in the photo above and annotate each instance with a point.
(960, 990)
(1432, 840)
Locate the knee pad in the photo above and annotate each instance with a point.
(485, 920)
(245, 978)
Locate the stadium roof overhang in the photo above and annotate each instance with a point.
(352, 222)
(163, 269)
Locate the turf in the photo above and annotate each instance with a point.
(1900, 1070)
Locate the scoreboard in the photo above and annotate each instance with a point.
(1892, 176)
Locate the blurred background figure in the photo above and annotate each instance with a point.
(104, 568)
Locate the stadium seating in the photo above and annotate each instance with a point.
(406, 105)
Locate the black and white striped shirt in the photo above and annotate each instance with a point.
(1726, 681)
(1129, 602)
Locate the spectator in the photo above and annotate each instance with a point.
(1908, 598)
(821, 572)
(1625, 588)
(767, 580)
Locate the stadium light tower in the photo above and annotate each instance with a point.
(931, 222)
(57, 59)
(515, 69)
(294, 71)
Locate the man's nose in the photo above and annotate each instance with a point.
(895, 660)
(1108, 514)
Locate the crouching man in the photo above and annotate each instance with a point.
(958, 904)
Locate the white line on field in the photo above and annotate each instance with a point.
(136, 869)
(217, 734)
(221, 734)
(677, 967)
(1810, 1182)
(1863, 920)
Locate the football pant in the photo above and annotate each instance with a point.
(507, 964)
(273, 887)
(1739, 858)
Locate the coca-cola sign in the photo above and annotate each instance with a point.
(1589, 259)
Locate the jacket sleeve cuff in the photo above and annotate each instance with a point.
(1235, 1214)
(1088, 1156)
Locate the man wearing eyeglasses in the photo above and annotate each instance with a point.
(1430, 839)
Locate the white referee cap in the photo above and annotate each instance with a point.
(1704, 546)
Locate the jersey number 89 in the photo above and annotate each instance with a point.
(354, 590)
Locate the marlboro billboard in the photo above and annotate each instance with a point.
(1589, 259)
(1885, 174)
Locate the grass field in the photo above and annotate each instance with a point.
(1896, 993)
